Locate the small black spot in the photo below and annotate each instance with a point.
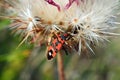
(49, 57)
(75, 32)
(78, 27)
(37, 18)
(81, 24)
(56, 50)
(56, 28)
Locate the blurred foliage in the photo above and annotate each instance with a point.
(29, 63)
(4, 23)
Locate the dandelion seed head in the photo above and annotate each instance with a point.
(88, 21)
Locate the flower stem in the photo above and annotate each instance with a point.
(60, 67)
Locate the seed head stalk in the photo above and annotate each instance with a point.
(60, 66)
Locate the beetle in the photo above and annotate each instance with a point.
(57, 44)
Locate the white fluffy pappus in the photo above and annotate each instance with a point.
(88, 21)
(93, 17)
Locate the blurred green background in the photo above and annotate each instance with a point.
(30, 63)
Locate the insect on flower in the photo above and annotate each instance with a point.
(80, 24)
(57, 44)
